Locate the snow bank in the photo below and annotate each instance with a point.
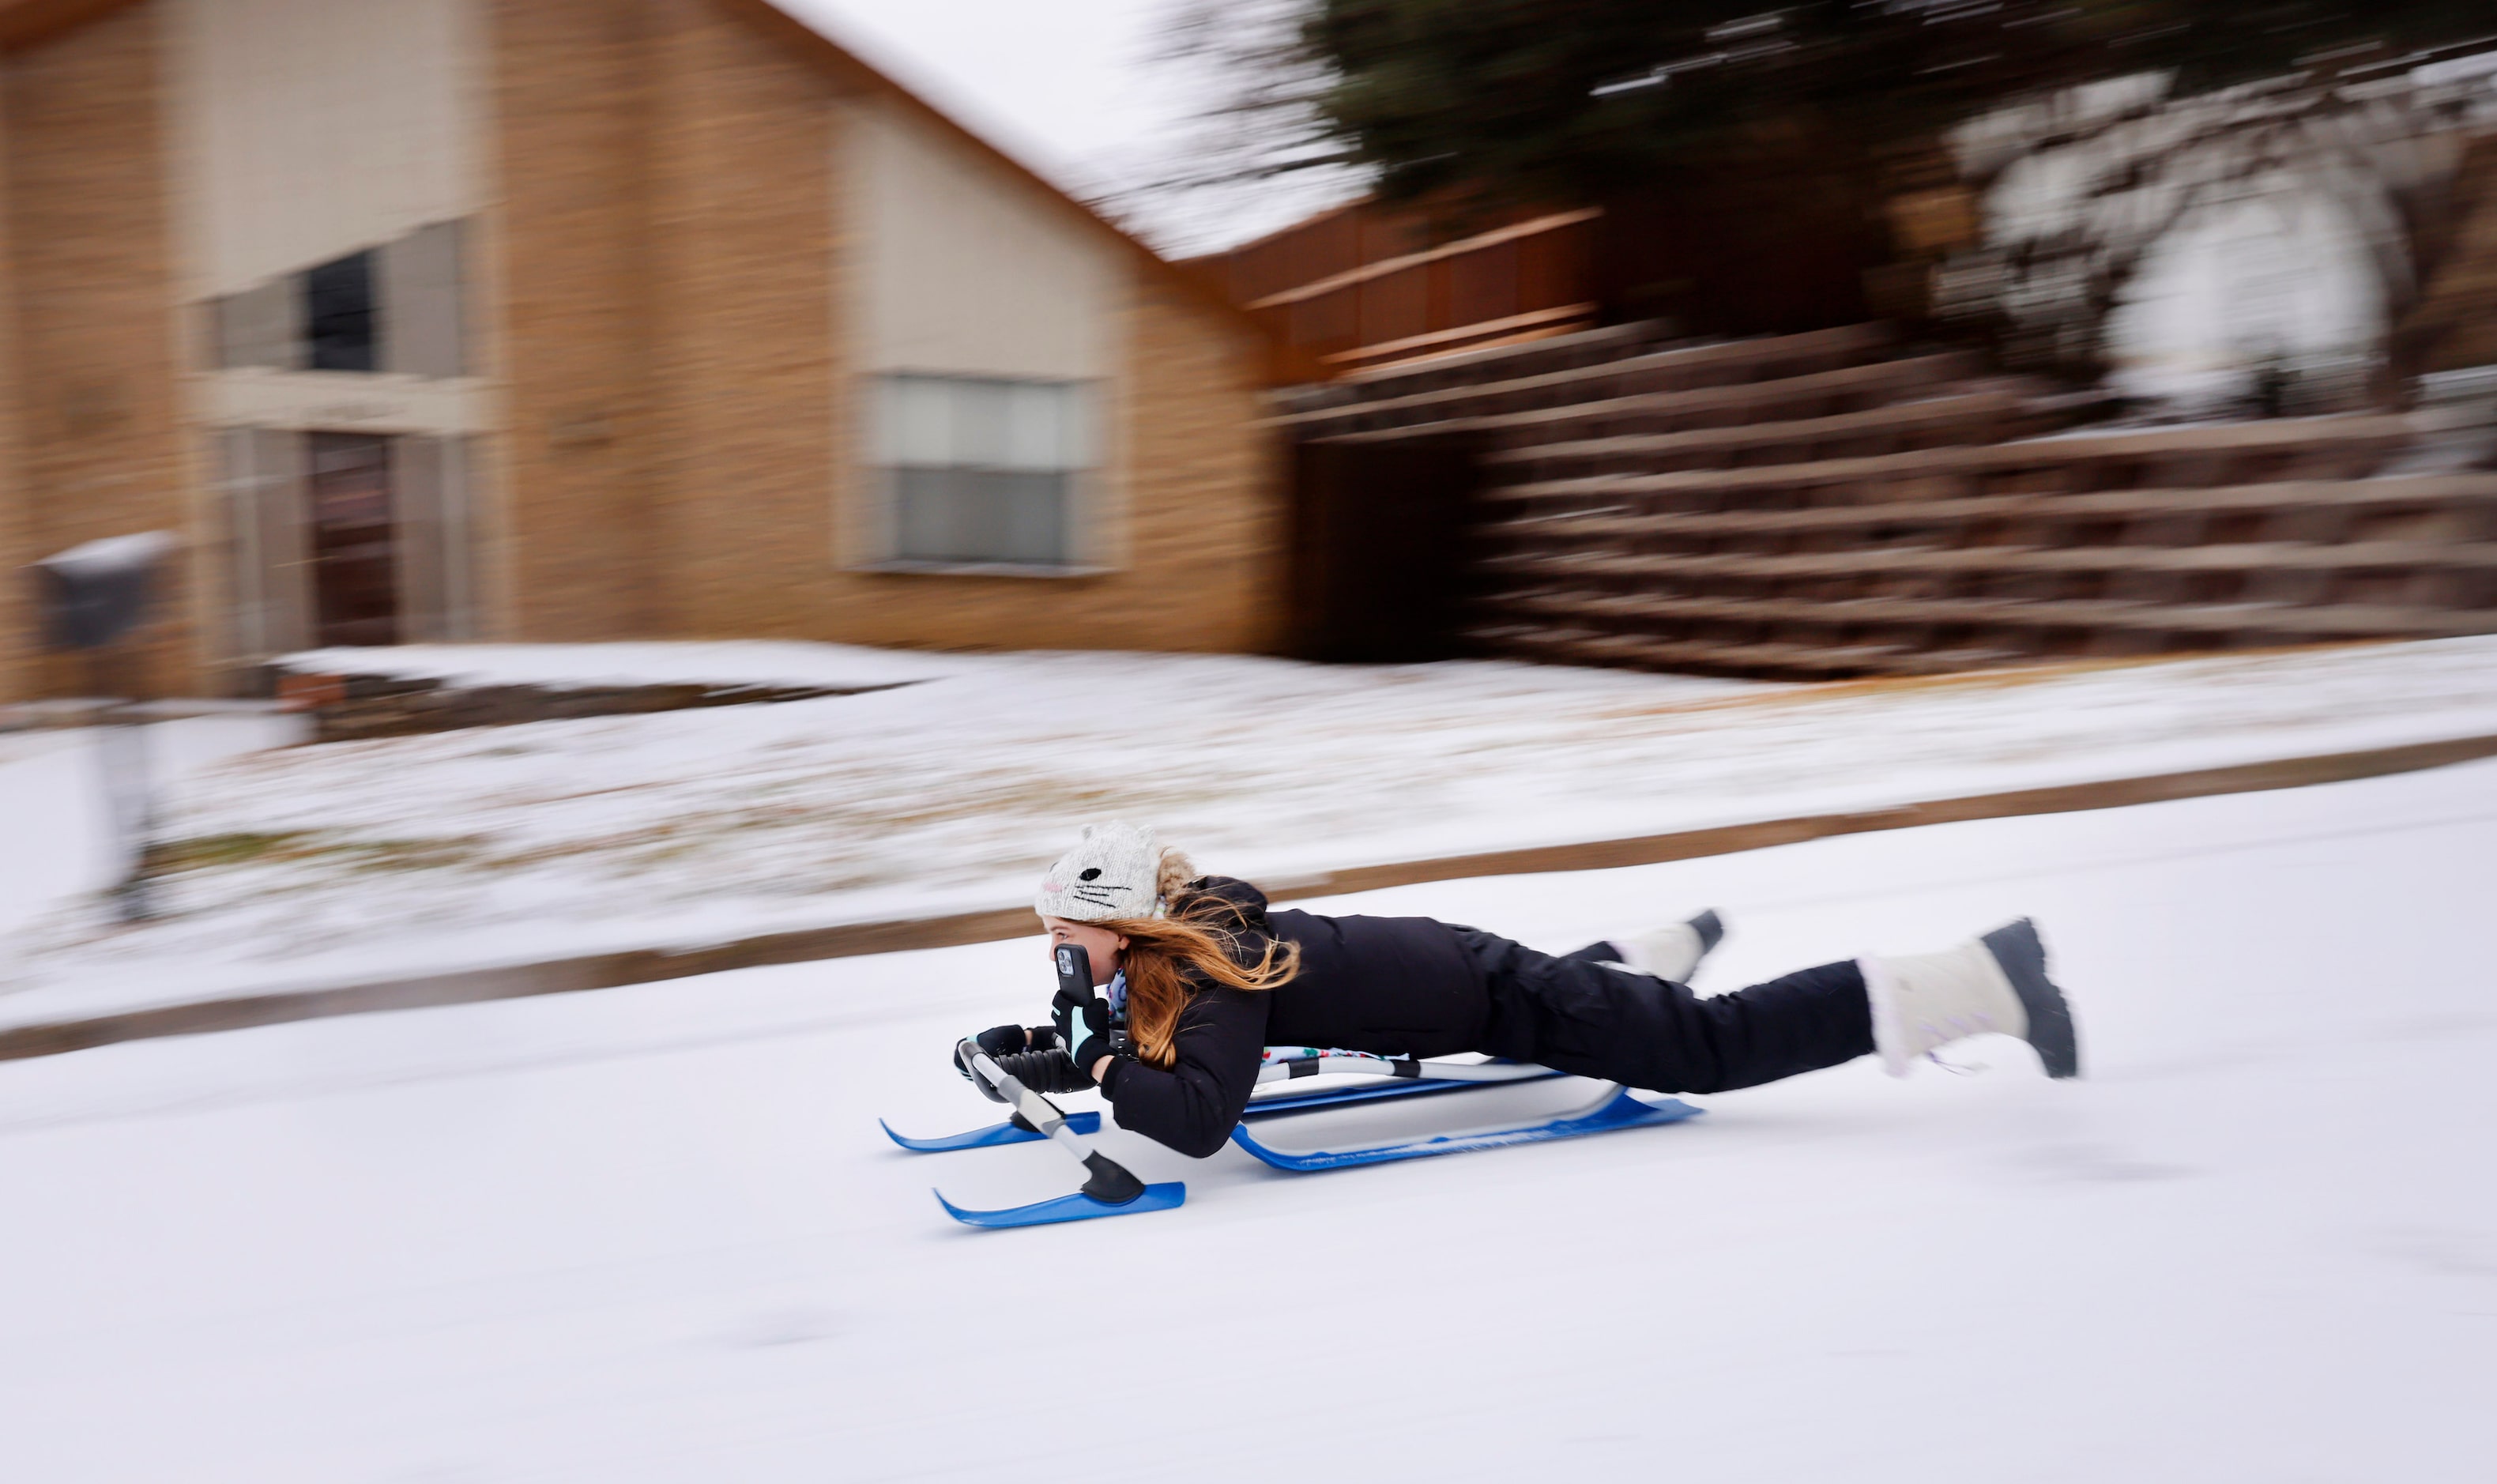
(558, 667)
(353, 862)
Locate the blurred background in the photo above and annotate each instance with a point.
(507, 496)
(433, 321)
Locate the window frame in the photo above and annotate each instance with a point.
(417, 299)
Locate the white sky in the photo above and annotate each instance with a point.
(1070, 87)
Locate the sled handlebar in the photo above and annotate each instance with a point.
(1106, 1179)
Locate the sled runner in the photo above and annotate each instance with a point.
(1399, 1077)
(1616, 1108)
(1109, 1189)
(1112, 1191)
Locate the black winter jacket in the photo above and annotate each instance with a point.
(1398, 985)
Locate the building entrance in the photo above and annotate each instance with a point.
(354, 550)
(340, 538)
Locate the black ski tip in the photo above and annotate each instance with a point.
(2017, 947)
(1710, 929)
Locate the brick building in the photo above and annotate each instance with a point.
(588, 319)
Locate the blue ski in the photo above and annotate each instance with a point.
(1109, 1189)
(990, 1137)
(1619, 1110)
(1068, 1208)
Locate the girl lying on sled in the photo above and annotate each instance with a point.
(1201, 977)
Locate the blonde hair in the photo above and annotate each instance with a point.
(1172, 876)
(1164, 952)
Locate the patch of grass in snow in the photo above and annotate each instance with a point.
(207, 852)
(406, 855)
(212, 852)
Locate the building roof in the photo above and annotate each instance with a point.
(25, 23)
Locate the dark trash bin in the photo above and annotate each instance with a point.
(95, 593)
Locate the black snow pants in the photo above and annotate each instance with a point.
(1575, 1015)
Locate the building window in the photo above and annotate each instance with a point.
(341, 320)
(983, 472)
(397, 308)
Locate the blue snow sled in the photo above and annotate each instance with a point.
(1109, 1191)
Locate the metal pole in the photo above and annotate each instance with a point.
(121, 749)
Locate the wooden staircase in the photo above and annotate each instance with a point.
(1833, 504)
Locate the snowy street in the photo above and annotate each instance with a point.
(654, 1233)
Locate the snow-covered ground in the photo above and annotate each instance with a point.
(354, 861)
(654, 1234)
(60, 846)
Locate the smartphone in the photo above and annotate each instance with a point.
(1074, 971)
(1074, 989)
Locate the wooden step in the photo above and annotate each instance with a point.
(1680, 368)
(2252, 556)
(2278, 621)
(1781, 659)
(2307, 449)
(2460, 579)
(1818, 393)
(1800, 661)
(2471, 497)
(1973, 419)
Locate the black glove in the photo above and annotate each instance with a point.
(1049, 1070)
(1000, 1041)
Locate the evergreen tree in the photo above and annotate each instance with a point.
(1567, 100)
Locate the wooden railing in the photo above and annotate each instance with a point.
(1364, 286)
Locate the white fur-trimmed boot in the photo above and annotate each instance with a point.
(1673, 951)
(1995, 983)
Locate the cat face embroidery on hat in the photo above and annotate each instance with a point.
(1109, 873)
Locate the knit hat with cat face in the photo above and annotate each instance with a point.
(1112, 872)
